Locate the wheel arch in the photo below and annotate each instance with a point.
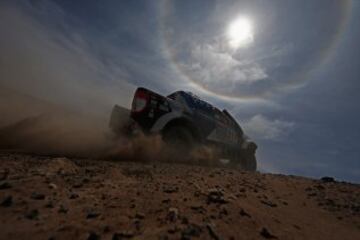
(183, 122)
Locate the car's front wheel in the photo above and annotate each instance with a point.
(245, 161)
(179, 142)
(250, 163)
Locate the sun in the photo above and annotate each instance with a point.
(240, 32)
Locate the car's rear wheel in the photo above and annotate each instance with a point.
(179, 142)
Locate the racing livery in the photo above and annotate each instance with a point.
(184, 118)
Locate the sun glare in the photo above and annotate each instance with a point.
(240, 33)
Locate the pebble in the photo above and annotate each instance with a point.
(37, 196)
(93, 236)
(33, 214)
(243, 213)
(4, 174)
(5, 185)
(49, 204)
(268, 203)
(7, 202)
(173, 229)
(216, 196)
(73, 195)
(190, 231)
(52, 186)
(63, 209)
(198, 208)
(266, 234)
(77, 185)
(166, 201)
(212, 232)
(173, 214)
(106, 229)
(92, 215)
(170, 189)
(123, 235)
(140, 215)
(185, 220)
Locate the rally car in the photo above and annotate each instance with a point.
(186, 121)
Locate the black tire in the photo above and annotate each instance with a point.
(250, 163)
(245, 161)
(179, 142)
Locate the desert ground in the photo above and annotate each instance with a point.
(45, 197)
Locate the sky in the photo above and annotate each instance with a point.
(287, 70)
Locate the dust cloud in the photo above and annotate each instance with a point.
(62, 132)
(56, 94)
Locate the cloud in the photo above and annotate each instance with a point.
(214, 67)
(281, 59)
(209, 62)
(260, 127)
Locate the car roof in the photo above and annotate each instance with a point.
(195, 101)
